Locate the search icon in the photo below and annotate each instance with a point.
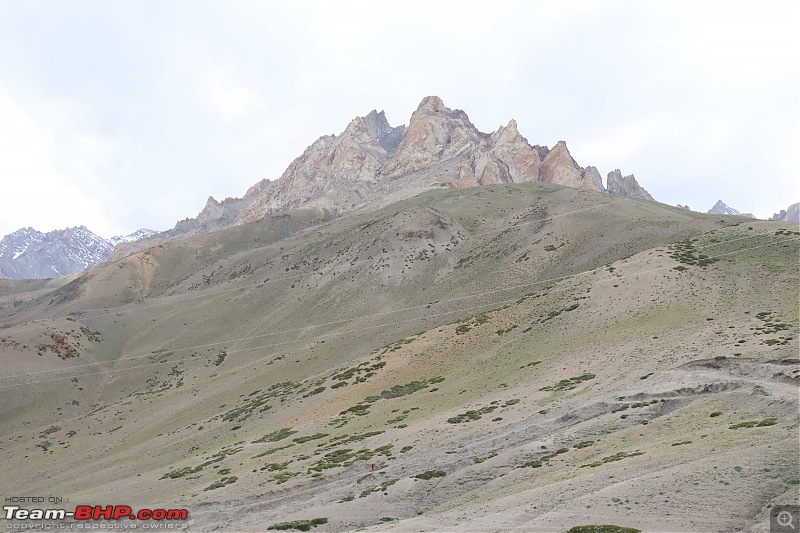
(785, 519)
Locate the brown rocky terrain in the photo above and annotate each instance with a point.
(511, 357)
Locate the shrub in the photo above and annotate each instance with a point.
(755, 423)
(603, 529)
(301, 525)
(430, 474)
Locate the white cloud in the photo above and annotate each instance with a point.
(137, 115)
(35, 190)
(218, 88)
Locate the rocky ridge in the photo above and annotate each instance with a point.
(371, 160)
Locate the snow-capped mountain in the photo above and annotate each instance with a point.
(31, 254)
(720, 208)
(135, 236)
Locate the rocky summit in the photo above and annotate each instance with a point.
(372, 160)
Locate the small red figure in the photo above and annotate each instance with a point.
(373, 466)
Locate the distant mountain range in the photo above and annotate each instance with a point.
(792, 214)
(371, 163)
(31, 254)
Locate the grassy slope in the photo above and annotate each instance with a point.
(471, 285)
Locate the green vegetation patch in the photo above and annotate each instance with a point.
(603, 529)
(635, 405)
(301, 440)
(347, 439)
(430, 474)
(552, 314)
(181, 472)
(273, 450)
(220, 357)
(612, 458)
(275, 436)
(256, 402)
(284, 476)
(537, 463)
(569, 384)
(367, 368)
(469, 416)
(49, 431)
(393, 347)
(221, 483)
(215, 458)
(378, 488)
(755, 423)
(346, 457)
(275, 467)
(300, 525)
(686, 253)
(314, 392)
(362, 408)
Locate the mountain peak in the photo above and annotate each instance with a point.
(626, 186)
(387, 136)
(720, 208)
(560, 168)
(433, 103)
(376, 120)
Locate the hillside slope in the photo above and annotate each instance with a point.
(521, 356)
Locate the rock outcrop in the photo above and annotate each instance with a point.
(626, 186)
(371, 160)
(792, 214)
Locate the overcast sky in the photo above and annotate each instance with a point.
(121, 115)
